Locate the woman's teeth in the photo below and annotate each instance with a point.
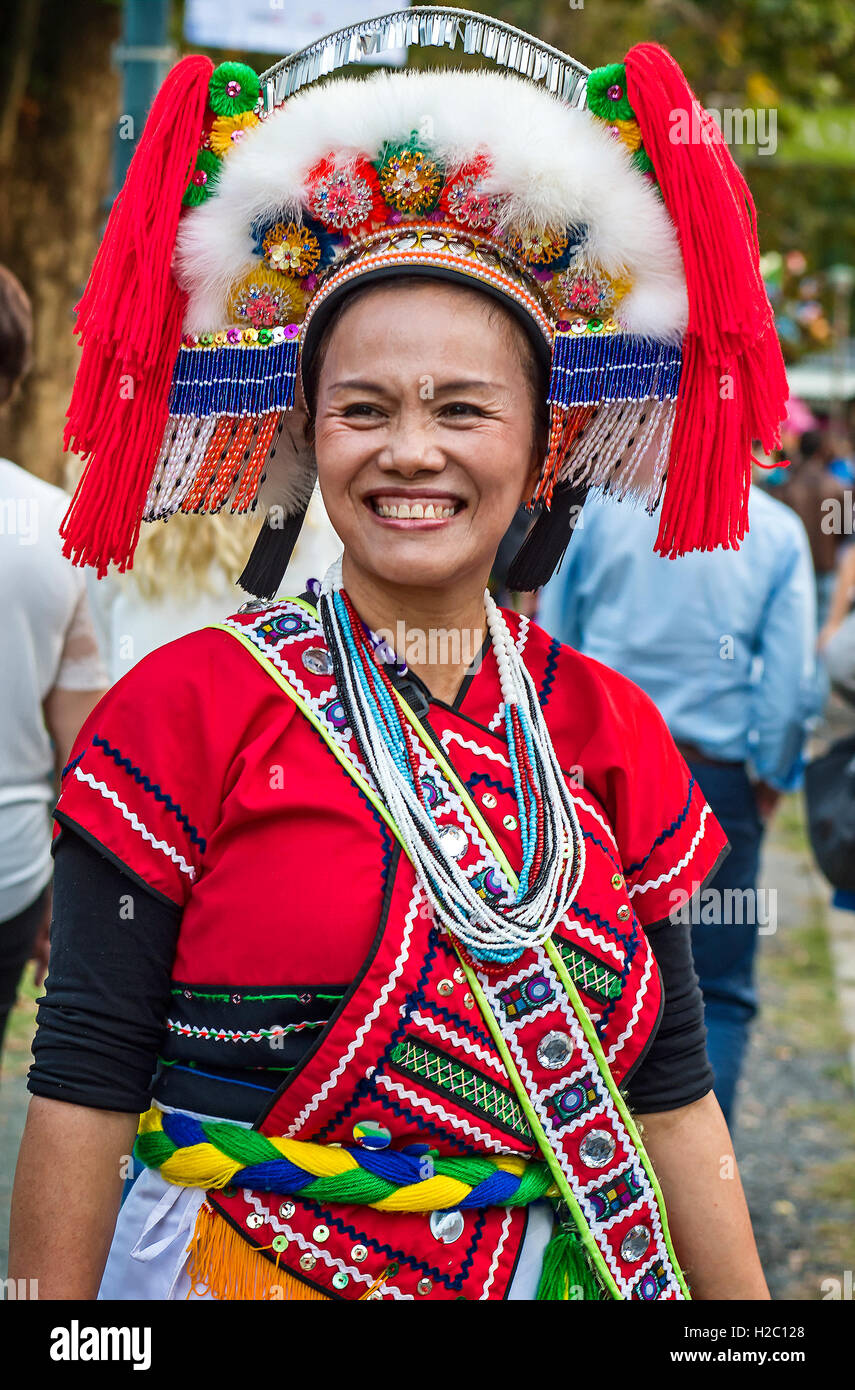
(414, 511)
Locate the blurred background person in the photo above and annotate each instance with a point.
(724, 643)
(51, 676)
(816, 495)
(183, 578)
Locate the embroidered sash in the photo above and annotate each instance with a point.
(527, 1074)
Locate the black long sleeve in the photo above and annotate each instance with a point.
(675, 1069)
(102, 1018)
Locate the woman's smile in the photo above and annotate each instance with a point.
(413, 509)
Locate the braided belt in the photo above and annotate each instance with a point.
(218, 1154)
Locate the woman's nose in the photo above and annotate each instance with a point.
(411, 447)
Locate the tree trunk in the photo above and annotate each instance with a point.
(58, 112)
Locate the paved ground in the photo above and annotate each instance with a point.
(795, 1124)
(795, 1130)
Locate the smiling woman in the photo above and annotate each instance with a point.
(399, 992)
(423, 464)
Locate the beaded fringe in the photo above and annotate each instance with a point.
(622, 444)
(612, 399)
(221, 1262)
(204, 463)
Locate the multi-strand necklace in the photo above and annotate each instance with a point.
(552, 844)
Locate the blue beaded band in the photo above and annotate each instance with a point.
(592, 369)
(257, 380)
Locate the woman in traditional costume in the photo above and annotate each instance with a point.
(376, 932)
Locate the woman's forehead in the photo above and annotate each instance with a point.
(424, 317)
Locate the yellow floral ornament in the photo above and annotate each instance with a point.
(291, 249)
(410, 181)
(539, 245)
(228, 131)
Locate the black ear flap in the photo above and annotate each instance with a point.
(274, 545)
(543, 548)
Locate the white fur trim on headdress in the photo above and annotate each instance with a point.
(557, 165)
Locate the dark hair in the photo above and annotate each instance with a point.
(534, 371)
(810, 444)
(16, 332)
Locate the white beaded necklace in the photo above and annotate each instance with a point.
(487, 930)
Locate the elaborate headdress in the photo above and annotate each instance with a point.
(602, 208)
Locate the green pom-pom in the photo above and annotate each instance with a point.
(234, 87)
(203, 180)
(642, 162)
(606, 93)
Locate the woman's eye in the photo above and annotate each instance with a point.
(359, 408)
(461, 408)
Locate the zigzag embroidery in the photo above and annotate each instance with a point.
(136, 823)
(73, 763)
(450, 1282)
(617, 1046)
(149, 786)
(549, 673)
(608, 946)
(451, 735)
(671, 830)
(473, 1031)
(681, 863)
(188, 1030)
(594, 813)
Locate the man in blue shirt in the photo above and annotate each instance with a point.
(724, 644)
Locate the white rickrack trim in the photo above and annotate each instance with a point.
(494, 1265)
(610, 947)
(594, 813)
(359, 1276)
(681, 864)
(370, 1018)
(617, 1045)
(631, 1210)
(136, 823)
(434, 1108)
(534, 1015)
(451, 735)
(451, 1035)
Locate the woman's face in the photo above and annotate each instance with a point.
(424, 433)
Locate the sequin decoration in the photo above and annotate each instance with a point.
(539, 245)
(343, 199)
(467, 205)
(410, 180)
(266, 300)
(291, 249)
(586, 289)
(585, 292)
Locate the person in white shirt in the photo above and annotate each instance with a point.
(51, 675)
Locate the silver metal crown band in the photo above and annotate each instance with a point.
(427, 26)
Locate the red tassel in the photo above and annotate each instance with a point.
(733, 386)
(129, 323)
